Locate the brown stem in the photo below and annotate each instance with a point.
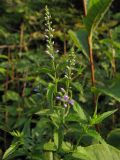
(21, 45)
(90, 48)
(12, 46)
(21, 48)
(90, 55)
(85, 7)
(21, 36)
(91, 60)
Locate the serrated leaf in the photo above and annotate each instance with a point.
(97, 152)
(81, 154)
(11, 150)
(102, 151)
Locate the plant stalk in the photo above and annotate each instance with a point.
(91, 60)
(90, 56)
(85, 7)
(90, 48)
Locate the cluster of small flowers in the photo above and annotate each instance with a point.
(70, 64)
(72, 57)
(49, 34)
(65, 98)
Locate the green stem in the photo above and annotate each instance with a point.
(96, 106)
(79, 140)
(55, 75)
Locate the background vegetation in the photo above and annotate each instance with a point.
(51, 108)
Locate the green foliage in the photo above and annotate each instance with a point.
(113, 138)
(99, 118)
(112, 90)
(47, 110)
(97, 152)
(95, 12)
(80, 40)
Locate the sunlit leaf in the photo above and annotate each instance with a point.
(97, 152)
(11, 95)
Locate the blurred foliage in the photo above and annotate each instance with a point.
(29, 127)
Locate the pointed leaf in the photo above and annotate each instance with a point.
(11, 150)
(50, 93)
(95, 12)
(99, 118)
(80, 40)
(81, 113)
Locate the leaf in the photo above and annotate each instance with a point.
(96, 9)
(44, 70)
(103, 152)
(72, 117)
(3, 57)
(50, 92)
(17, 134)
(41, 126)
(2, 71)
(47, 155)
(99, 118)
(50, 146)
(81, 113)
(113, 138)
(112, 90)
(45, 112)
(11, 95)
(80, 40)
(112, 42)
(66, 147)
(11, 150)
(95, 135)
(56, 137)
(97, 152)
(60, 137)
(81, 154)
